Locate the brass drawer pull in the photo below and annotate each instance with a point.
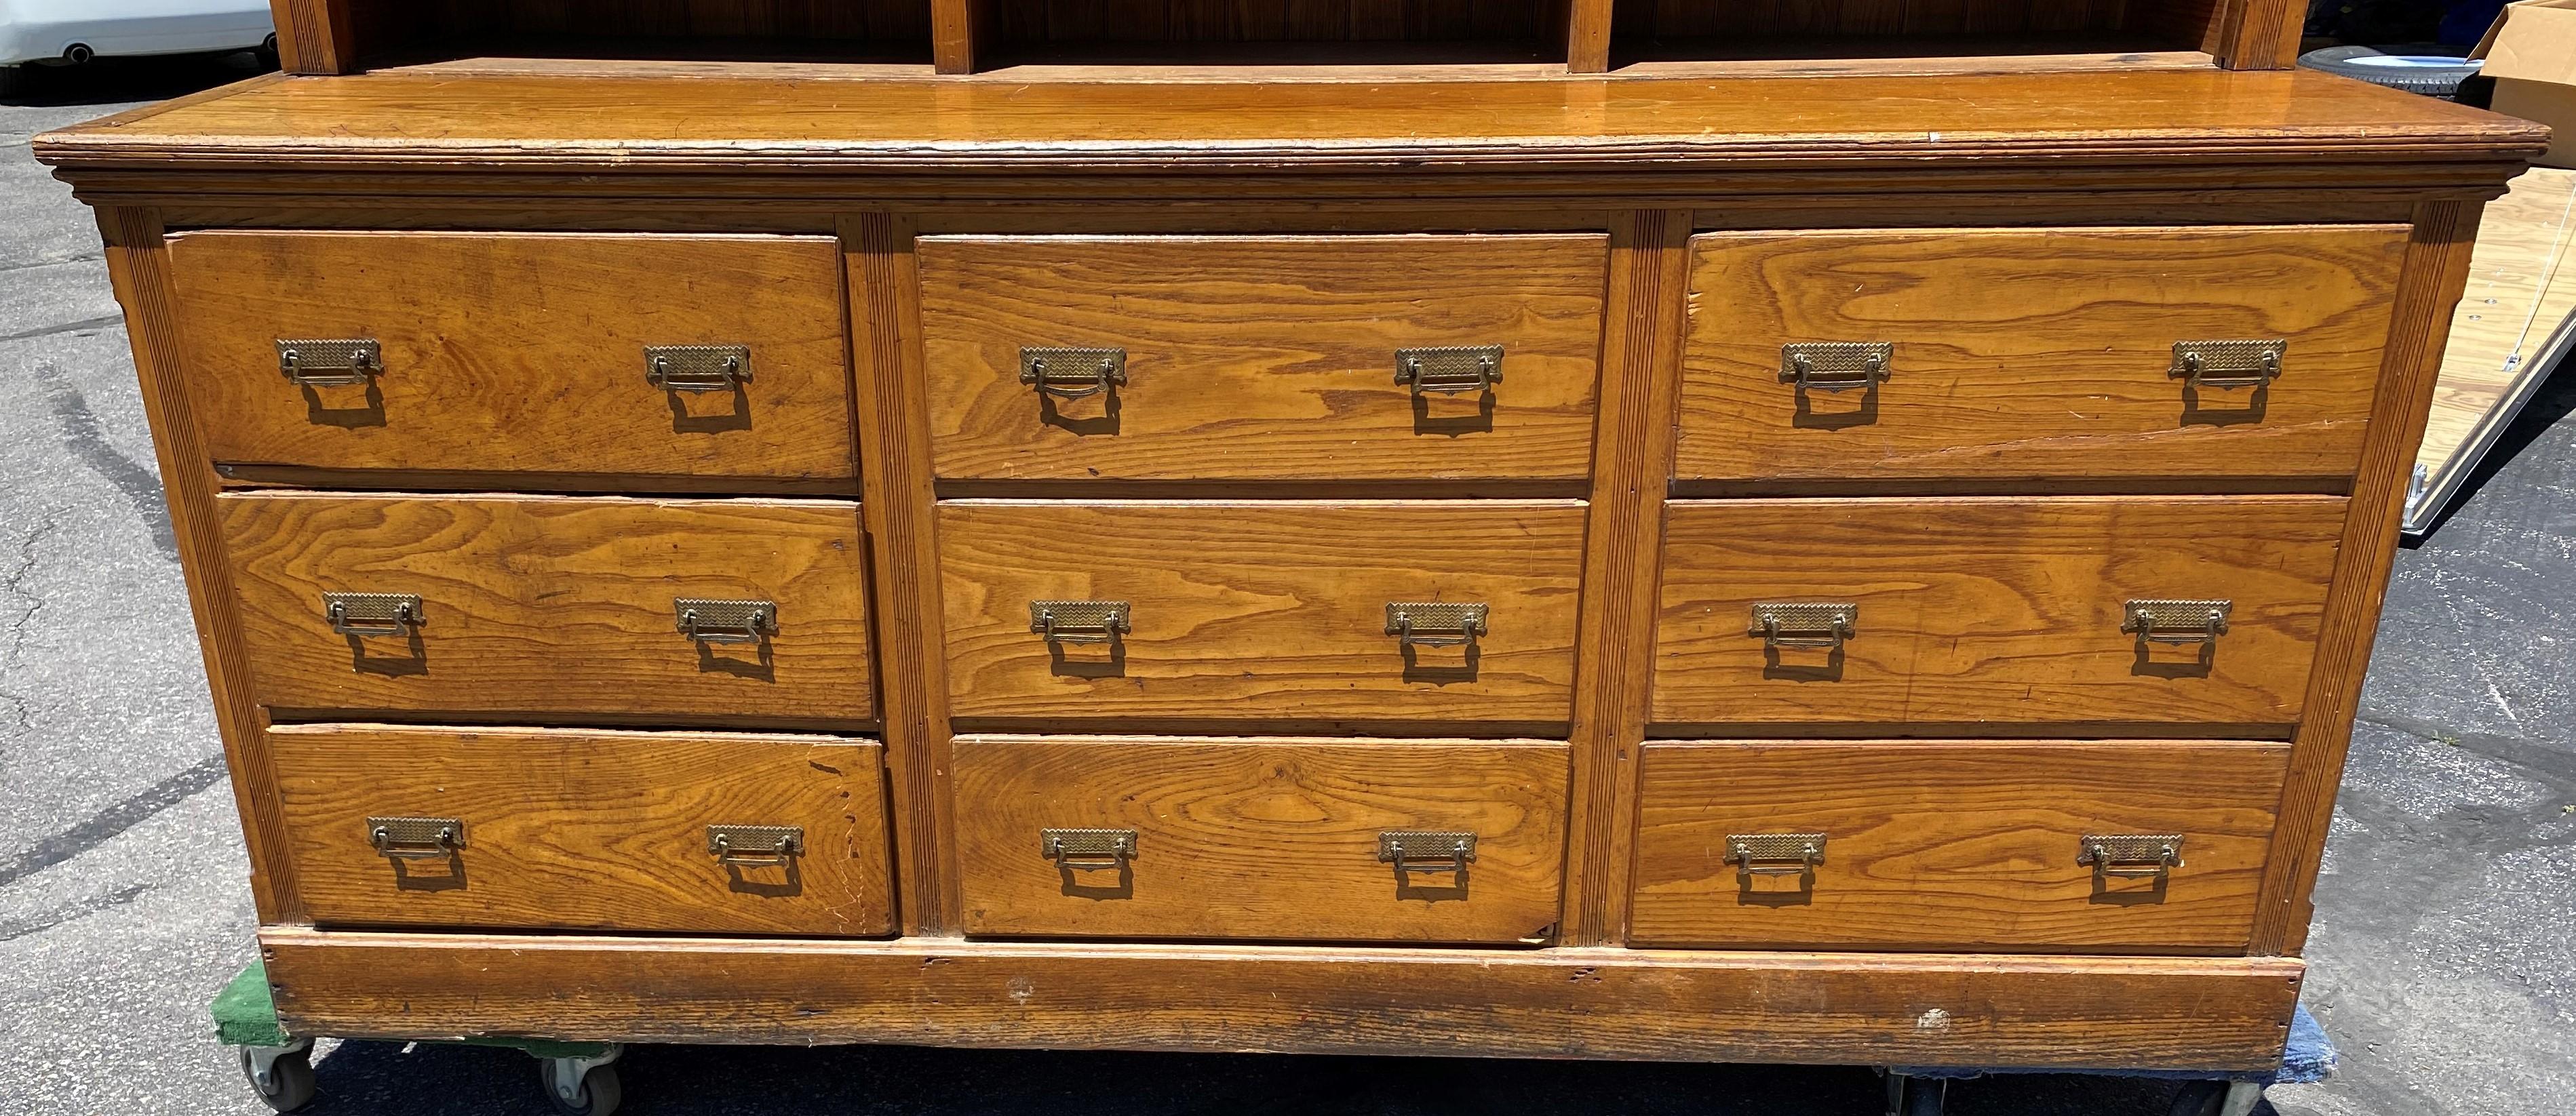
(2176, 621)
(2228, 364)
(755, 845)
(697, 367)
(1434, 623)
(1079, 621)
(720, 621)
(372, 614)
(1800, 624)
(1088, 848)
(1450, 369)
(1836, 365)
(1069, 373)
(416, 838)
(1775, 854)
(1426, 850)
(329, 361)
(2131, 856)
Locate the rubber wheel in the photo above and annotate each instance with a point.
(2200, 1098)
(290, 1080)
(266, 52)
(2432, 75)
(598, 1096)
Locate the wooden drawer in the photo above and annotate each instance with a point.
(569, 829)
(537, 607)
(520, 353)
(1270, 609)
(1962, 845)
(1252, 838)
(2045, 353)
(1262, 357)
(1976, 610)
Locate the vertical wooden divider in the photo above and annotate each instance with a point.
(954, 27)
(883, 281)
(1587, 35)
(2259, 34)
(138, 266)
(2436, 273)
(1632, 453)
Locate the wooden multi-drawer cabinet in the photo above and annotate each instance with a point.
(1867, 567)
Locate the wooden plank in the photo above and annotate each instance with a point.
(956, 26)
(2437, 272)
(2035, 354)
(1831, 1008)
(1953, 845)
(554, 608)
(587, 829)
(1993, 609)
(504, 352)
(1261, 609)
(1262, 357)
(883, 285)
(138, 267)
(2522, 284)
(1261, 839)
(1623, 552)
(1587, 35)
(2259, 34)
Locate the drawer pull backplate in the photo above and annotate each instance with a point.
(416, 838)
(2177, 621)
(2228, 364)
(755, 844)
(2132, 856)
(1078, 621)
(372, 614)
(1836, 365)
(329, 361)
(697, 367)
(1088, 848)
(1804, 624)
(1426, 850)
(1435, 623)
(1069, 373)
(1775, 854)
(725, 621)
(1450, 369)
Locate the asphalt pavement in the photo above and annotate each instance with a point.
(2444, 952)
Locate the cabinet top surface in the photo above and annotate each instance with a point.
(746, 120)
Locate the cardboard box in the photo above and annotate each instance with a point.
(2530, 51)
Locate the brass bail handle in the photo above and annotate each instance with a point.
(697, 368)
(1775, 854)
(1449, 369)
(1836, 365)
(329, 361)
(1079, 621)
(2131, 856)
(1427, 851)
(2249, 363)
(1087, 848)
(2166, 620)
(416, 838)
(1071, 373)
(368, 615)
(1799, 624)
(754, 846)
(1435, 623)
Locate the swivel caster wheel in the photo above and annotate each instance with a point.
(1915, 1096)
(282, 1076)
(582, 1086)
(2217, 1098)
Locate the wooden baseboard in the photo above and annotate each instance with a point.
(1869, 1009)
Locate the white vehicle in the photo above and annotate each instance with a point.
(69, 32)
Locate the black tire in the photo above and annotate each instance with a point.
(16, 80)
(290, 1080)
(266, 52)
(599, 1095)
(2414, 73)
(2200, 1098)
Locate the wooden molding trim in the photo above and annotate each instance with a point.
(1983, 1010)
(895, 478)
(138, 266)
(2435, 275)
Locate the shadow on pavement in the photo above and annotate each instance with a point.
(110, 81)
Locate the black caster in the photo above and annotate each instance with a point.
(282, 1076)
(582, 1086)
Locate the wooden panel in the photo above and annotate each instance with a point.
(1262, 357)
(2522, 285)
(2037, 353)
(1954, 845)
(1260, 839)
(1830, 1008)
(1999, 609)
(1270, 609)
(506, 352)
(572, 830)
(555, 606)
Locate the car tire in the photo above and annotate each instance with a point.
(2433, 75)
(15, 80)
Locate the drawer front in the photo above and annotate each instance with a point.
(570, 829)
(2034, 354)
(555, 607)
(520, 352)
(1263, 839)
(1954, 845)
(1972, 610)
(1261, 357)
(1273, 609)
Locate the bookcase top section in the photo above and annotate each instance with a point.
(739, 121)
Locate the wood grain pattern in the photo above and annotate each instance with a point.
(2522, 284)
(138, 268)
(554, 607)
(1662, 1005)
(1623, 552)
(2035, 353)
(1997, 609)
(1262, 357)
(1272, 839)
(1953, 845)
(519, 351)
(2437, 271)
(587, 829)
(1272, 609)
